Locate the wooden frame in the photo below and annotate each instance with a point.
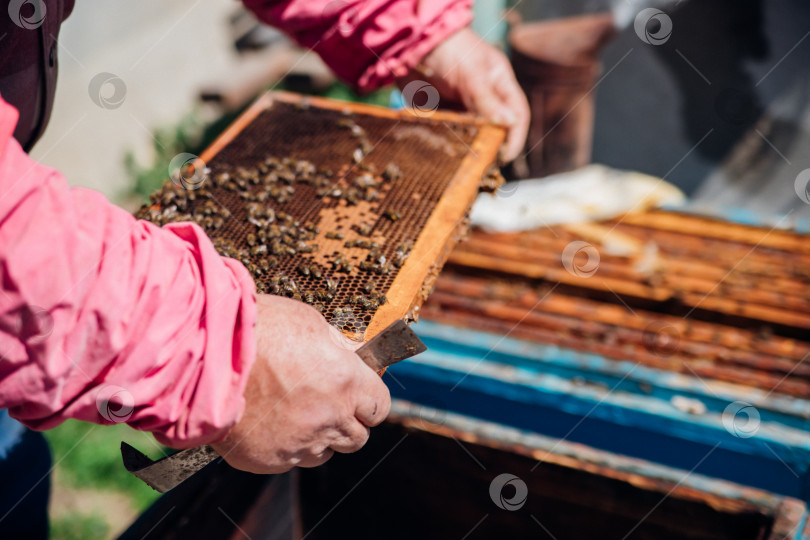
(446, 224)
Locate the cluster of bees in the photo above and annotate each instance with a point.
(172, 203)
(274, 236)
(492, 180)
(268, 279)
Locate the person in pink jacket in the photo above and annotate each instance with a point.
(104, 318)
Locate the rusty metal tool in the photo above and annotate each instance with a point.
(395, 343)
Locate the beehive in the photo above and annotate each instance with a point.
(707, 298)
(348, 207)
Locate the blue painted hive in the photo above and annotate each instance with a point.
(688, 349)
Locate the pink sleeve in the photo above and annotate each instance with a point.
(367, 43)
(105, 318)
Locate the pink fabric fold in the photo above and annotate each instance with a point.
(367, 43)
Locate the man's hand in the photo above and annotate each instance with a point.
(308, 394)
(467, 70)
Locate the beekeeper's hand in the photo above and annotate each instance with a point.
(309, 395)
(467, 70)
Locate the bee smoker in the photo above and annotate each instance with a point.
(556, 63)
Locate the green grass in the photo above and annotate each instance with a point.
(166, 143)
(79, 527)
(89, 456)
(88, 467)
(342, 92)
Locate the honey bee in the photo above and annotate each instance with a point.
(393, 215)
(221, 179)
(392, 172)
(258, 250)
(352, 197)
(209, 208)
(363, 229)
(368, 167)
(253, 209)
(375, 256)
(382, 269)
(289, 287)
(303, 269)
(341, 264)
(492, 180)
(370, 286)
(167, 198)
(316, 272)
(361, 301)
(331, 284)
(251, 239)
(332, 235)
(405, 246)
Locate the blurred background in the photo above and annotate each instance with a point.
(721, 111)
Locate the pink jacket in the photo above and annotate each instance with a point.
(105, 318)
(367, 43)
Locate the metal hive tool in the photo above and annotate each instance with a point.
(348, 207)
